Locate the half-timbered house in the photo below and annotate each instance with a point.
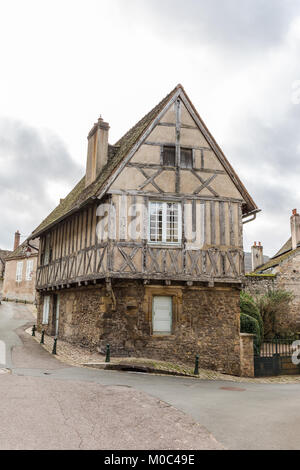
(146, 252)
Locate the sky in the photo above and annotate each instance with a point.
(63, 63)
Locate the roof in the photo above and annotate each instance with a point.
(81, 195)
(4, 254)
(285, 252)
(19, 252)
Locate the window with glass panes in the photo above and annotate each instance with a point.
(165, 222)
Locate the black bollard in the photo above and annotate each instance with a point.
(42, 337)
(54, 346)
(107, 358)
(33, 330)
(196, 370)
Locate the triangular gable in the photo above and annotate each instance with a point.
(124, 149)
(248, 207)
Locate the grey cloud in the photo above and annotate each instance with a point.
(30, 160)
(241, 25)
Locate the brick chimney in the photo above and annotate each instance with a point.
(97, 150)
(257, 255)
(295, 229)
(17, 239)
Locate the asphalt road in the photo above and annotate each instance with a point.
(257, 416)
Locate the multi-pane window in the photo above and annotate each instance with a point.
(29, 269)
(165, 222)
(169, 155)
(19, 271)
(186, 158)
(46, 309)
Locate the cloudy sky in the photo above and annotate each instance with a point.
(63, 63)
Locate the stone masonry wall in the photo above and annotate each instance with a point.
(257, 285)
(287, 278)
(247, 364)
(205, 322)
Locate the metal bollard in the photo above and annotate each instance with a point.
(54, 346)
(196, 370)
(107, 358)
(33, 330)
(42, 337)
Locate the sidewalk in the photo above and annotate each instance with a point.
(78, 356)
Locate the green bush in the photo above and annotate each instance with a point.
(274, 309)
(249, 307)
(251, 325)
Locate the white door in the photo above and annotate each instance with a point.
(162, 315)
(57, 316)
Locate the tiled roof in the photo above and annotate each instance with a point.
(20, 251)
(80, 195)
(284, 253)
(4, 254)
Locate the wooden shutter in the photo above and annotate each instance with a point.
(169, 156)
(46, 309)
(19, 271)
(162, 315)
(29, 269)
(186, 158)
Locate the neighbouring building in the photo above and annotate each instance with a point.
(20, 271)
(282, 271)
(3, 256)
(146, 252)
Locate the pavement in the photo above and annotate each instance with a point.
(46, 404)
(60, 406)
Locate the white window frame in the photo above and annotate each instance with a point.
(46, 307)
(164, 223)
(29, 269)
(19, 271)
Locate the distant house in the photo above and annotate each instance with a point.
(20, 271)
(282, 271)
(3, 256)
(146, 252)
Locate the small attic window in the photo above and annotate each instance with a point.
(168, 155)
(186, 158)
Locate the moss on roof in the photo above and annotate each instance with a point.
(275, 261)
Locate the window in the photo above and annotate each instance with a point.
(165, 222)
(162, 315)
(169, 154)
(19, 271)
(46, 309)
(186, 158)
(29, 269)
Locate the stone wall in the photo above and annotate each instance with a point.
(205, 322)
(260, 284)
(286, 277)
(247, 364)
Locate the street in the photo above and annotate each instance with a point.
(48, 405)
